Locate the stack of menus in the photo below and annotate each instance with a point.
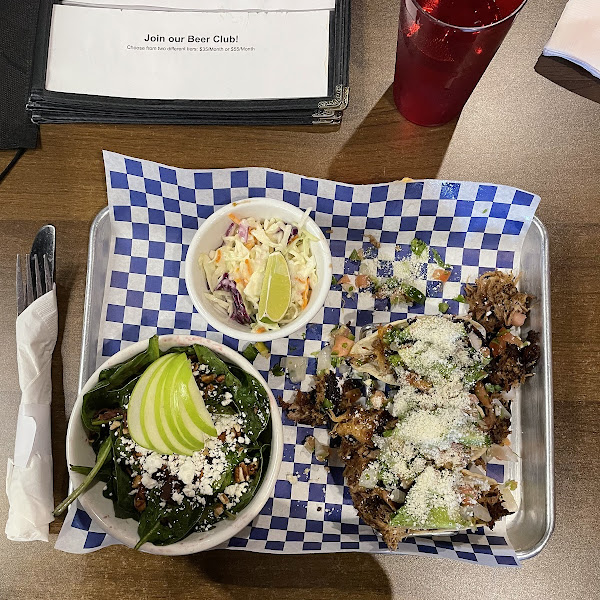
(214, 62)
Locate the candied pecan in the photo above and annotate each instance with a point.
(139, 502)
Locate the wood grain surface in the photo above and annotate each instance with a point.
(518, 128)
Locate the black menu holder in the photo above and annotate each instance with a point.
(57, 107)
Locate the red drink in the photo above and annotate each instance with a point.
(444, 46)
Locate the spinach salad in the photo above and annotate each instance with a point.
(204, 428)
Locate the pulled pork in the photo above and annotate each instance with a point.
(495, 302)
(492, 500)
(374, 506)
(324, 400)
(361, 424)
(514, 364)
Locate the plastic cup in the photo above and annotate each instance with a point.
(444, 47)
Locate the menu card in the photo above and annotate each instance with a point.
(188, 55)
(204, 5)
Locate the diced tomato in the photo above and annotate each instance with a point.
(508, 338)
(342, 345)
(517, 319)
(498, 344)
(362, 281)
(441, 275)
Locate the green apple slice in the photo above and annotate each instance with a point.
(173, 408)
(166, 411)
(188, 405)
(141, 399)
(162, 413)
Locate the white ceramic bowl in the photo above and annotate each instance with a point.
(79, 452)
(210, 236)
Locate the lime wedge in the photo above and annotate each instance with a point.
(276, 291)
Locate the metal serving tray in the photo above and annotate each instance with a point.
(533, 438)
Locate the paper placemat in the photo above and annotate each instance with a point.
(155, 211)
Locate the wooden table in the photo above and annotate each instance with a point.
(519, 129)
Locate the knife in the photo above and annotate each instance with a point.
(44, 244)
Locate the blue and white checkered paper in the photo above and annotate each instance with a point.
(155, 211)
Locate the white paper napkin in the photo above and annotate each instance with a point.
(577, 35)
(29, 474)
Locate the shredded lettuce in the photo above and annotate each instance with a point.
(235, 271)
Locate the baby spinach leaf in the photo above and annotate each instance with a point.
(104, 474)
(169, 524)
(252, 399)
(254, 483)
(120, 374)
(217, 366)
(104, 396)
(248, 394)
(103, 455)
(122, 484)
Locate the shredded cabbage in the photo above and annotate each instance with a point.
(243, 259)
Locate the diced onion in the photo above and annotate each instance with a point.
(475, 340)
(324, 359)
(397, 495)
(481, 513)
(296, 367)
(508, 500)
(477, 470)
(502, 453)
(321, 451)
(368, 478)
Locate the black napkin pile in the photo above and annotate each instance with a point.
(18, 23)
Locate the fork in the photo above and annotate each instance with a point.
(29, 282)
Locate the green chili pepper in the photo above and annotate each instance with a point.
(277, 370)
(250, 352)
(327, 403)
(439, 261)
(413, 294)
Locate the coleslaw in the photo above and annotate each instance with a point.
(235, 270)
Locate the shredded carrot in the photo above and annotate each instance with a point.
(249, 267)
(250, 243)
(218, 257)
(234, 218)
(305, 295)
(260, 329)
(292, 238)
